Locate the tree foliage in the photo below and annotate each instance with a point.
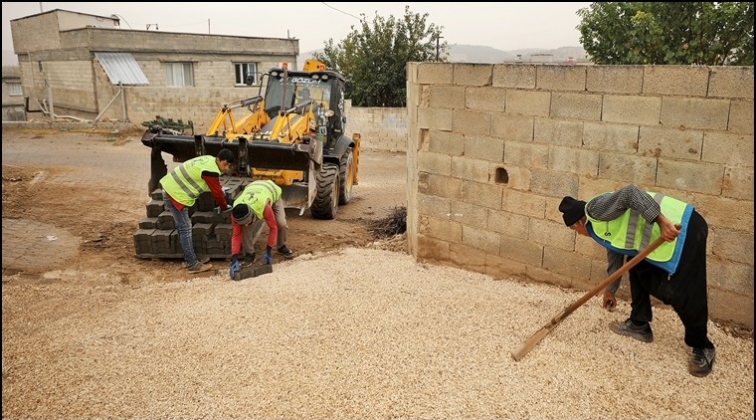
(703, 33)
(374, 56)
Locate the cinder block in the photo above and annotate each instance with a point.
(445, 96)
(434, 163)
(521, 250)
(161, 242)
(561, 78)
(472, 74)
(441, 229)
(223, 232)
(705, 114)
(520, 76)
(205, 202)
(203, 217)
(165, 221)
(435, 73)
(143, 241)
(482, 239)
(486, 99)
(471, 122)
(731, 82)
(615, 79)
(577, 106)
(530, 103)
(566, 262)
(149, 223)
(155, 207)
(676, 80)
(253, 271)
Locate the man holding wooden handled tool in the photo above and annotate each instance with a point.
(667, 239)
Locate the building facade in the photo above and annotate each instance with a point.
(84, 66)
(13, 98)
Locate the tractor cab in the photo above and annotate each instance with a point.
(298, 91)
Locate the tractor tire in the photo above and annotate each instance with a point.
(346, 177)
(326, 202)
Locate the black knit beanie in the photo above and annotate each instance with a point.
(242, 214)
(572, 210)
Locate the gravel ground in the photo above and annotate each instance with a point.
(352, 334)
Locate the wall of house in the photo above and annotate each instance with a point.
(58, 66)
(13, 105)
(36, 33)
(492, 149)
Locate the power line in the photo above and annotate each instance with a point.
(348, 14)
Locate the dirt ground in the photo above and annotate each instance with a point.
(344, 330)
(72, 201)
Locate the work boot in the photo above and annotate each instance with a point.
(701, 361)
(286, 252)
(641, 333)
(202, 259)
(199, 267)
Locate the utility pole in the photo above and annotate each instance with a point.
(208, 26)
(437, 39)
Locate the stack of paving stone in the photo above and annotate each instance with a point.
(157, 236)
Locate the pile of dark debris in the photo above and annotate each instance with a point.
(389, 231)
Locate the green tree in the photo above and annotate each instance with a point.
(702, 33)
(374, 56)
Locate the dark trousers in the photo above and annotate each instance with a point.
(685, 290)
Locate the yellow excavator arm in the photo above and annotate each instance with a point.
(249, 124)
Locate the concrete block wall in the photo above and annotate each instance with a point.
(69, 83)
(36, 33)
(56, 56)
(11, 75)
(380, 128)
(199, 105)
(492, 149)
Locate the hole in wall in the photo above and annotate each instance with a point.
(501, 177)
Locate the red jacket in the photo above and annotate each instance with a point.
(213, 182)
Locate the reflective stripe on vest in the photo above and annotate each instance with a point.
(185, 184)
(256, 194)
(635, 221)
(630, 232)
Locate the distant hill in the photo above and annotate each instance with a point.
(484, 54)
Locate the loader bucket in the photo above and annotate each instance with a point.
(265, 154)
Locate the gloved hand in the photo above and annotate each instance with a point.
(267, 258)
(218, 209)
(234, 267)
(609, 302)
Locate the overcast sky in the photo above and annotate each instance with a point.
(504, 26)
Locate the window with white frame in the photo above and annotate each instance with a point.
(245, 71)
(14, 89)
(179, 74)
